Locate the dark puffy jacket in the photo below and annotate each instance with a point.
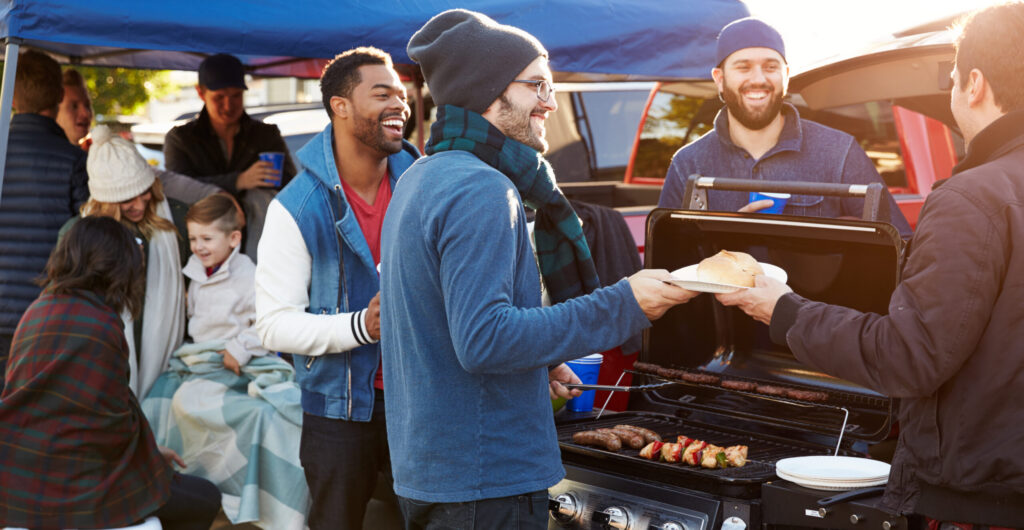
(44, 183)
(194, 149)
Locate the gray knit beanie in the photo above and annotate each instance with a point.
(468, 59)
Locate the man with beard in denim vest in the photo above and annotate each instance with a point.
(759, 137)
(317, 283)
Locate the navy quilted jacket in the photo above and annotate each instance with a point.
(44, 183)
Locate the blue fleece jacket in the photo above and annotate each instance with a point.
(466, 343)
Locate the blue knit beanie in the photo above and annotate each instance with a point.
(747, 33)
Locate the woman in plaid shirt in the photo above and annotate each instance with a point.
(75, 448)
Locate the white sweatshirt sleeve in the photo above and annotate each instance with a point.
(283, 274)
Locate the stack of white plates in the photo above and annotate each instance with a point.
(833, 473)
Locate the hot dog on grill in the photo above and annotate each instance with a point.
(649, 435)
(598, 439)
(627, 437)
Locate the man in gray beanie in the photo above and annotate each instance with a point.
(466, 342)
(760, 137)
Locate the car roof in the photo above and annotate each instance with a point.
(910, 70)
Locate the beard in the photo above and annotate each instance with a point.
(515, 122)
(754, 120)
(370, 132)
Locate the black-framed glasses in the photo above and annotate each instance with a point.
(544, 88)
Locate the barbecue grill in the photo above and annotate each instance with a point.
(849, 262)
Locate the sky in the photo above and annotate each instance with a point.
(816, 29)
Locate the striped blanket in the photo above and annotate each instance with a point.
(240, 432)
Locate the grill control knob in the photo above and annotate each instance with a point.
(855, 518)
(614, 517)
(671, 525)
(564, 508)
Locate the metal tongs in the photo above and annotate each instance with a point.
(617, 388)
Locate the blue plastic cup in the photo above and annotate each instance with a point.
(586, 369)
(778, 200)
(276, 159)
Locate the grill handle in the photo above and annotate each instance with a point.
(847, 496)
(695, 196)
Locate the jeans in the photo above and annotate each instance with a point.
(523, 512)
(194, 504)
(341, 460)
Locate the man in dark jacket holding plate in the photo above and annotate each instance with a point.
(951, 346)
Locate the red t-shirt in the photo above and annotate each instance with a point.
(371, 220)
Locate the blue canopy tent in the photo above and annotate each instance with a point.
(587, 39)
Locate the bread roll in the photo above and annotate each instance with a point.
(731, 268)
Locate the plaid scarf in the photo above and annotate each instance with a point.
(565, 261)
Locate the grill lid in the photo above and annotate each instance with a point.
(847, 262)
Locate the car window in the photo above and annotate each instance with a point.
(672, 122)
(612, 117)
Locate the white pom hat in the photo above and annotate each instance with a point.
(117, 172)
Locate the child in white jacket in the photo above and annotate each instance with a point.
(220, 297)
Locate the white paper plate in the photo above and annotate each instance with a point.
(830, 485)
(846, 469)
(686, 278)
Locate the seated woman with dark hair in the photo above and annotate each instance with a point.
(124, 187)
(77, 451)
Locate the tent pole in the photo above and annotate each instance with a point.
(6, 99)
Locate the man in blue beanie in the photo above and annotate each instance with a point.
(760, 137)
(471, 356)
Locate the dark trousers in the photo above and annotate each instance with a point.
(341, 460)
(5, 351)
(523, 512)
(194, 504)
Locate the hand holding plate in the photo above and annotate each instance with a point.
(758, 301)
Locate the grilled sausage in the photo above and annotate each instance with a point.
(771, 390)
(700, 378)
(627, 437)
(649, 435)
(806, 395)
(597, 439)
(743, 386)
(646, 368)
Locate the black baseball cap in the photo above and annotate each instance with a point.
(222, 71)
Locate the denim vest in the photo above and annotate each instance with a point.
(343, 279)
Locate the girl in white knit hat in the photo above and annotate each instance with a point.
(123, 186)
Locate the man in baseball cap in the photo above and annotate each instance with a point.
(760, 137)
(467, 344)
(222, 144)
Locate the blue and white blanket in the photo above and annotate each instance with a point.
(240, 432)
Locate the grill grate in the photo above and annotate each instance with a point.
(763, 452)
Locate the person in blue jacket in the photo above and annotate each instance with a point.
(317, 283)
(44, 184)
(471, 356)
(758, 136)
